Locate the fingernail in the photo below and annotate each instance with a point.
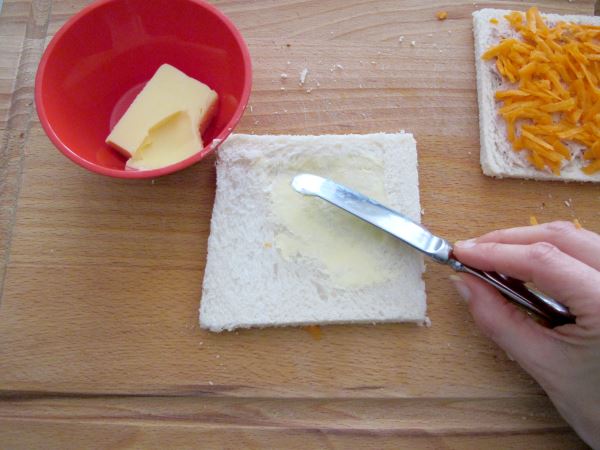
(461, 287)
(466, 244)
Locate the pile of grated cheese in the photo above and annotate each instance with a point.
(556, 98)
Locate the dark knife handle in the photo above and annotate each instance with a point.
(553, 312)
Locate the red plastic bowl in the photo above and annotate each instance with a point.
(102, 57)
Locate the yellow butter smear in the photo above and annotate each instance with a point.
(557, 99)
(346, 249)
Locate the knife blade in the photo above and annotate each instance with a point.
(376, 214)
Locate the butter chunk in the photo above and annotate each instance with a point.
(169, 141)
(167, 117)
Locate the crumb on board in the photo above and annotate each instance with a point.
(303, 75)
(577, 223)
(284, 76)
(568, 203)
(441, 15)
(401, 39)
(314, 331)
(533, 220)
(413, 43)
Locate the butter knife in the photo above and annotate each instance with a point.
(418, 237)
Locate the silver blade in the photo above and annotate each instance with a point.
(370, 211)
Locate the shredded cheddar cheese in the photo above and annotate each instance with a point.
(533, 220)
(314, 331)
(577, 224)
(441, 15)
(555, 98)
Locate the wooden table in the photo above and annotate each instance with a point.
(99, 338)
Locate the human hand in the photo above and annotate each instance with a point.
(563, 262)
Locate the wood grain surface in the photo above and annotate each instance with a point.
(101, 278)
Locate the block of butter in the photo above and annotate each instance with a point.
(164, 123)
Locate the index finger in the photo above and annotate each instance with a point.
(581, 244)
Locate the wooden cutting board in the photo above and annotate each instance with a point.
(101, 278)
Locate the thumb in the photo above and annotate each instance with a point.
(529, 343)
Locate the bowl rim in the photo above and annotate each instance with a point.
(154, 173)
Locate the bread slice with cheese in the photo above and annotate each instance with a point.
(278, 258)
(498, 159)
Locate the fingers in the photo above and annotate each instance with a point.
(530, 344)
(581, 244)
(552, 271)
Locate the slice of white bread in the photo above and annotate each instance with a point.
(277, 258)
(498, 159)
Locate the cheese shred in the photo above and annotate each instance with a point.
(314, 331)
(555, 97)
